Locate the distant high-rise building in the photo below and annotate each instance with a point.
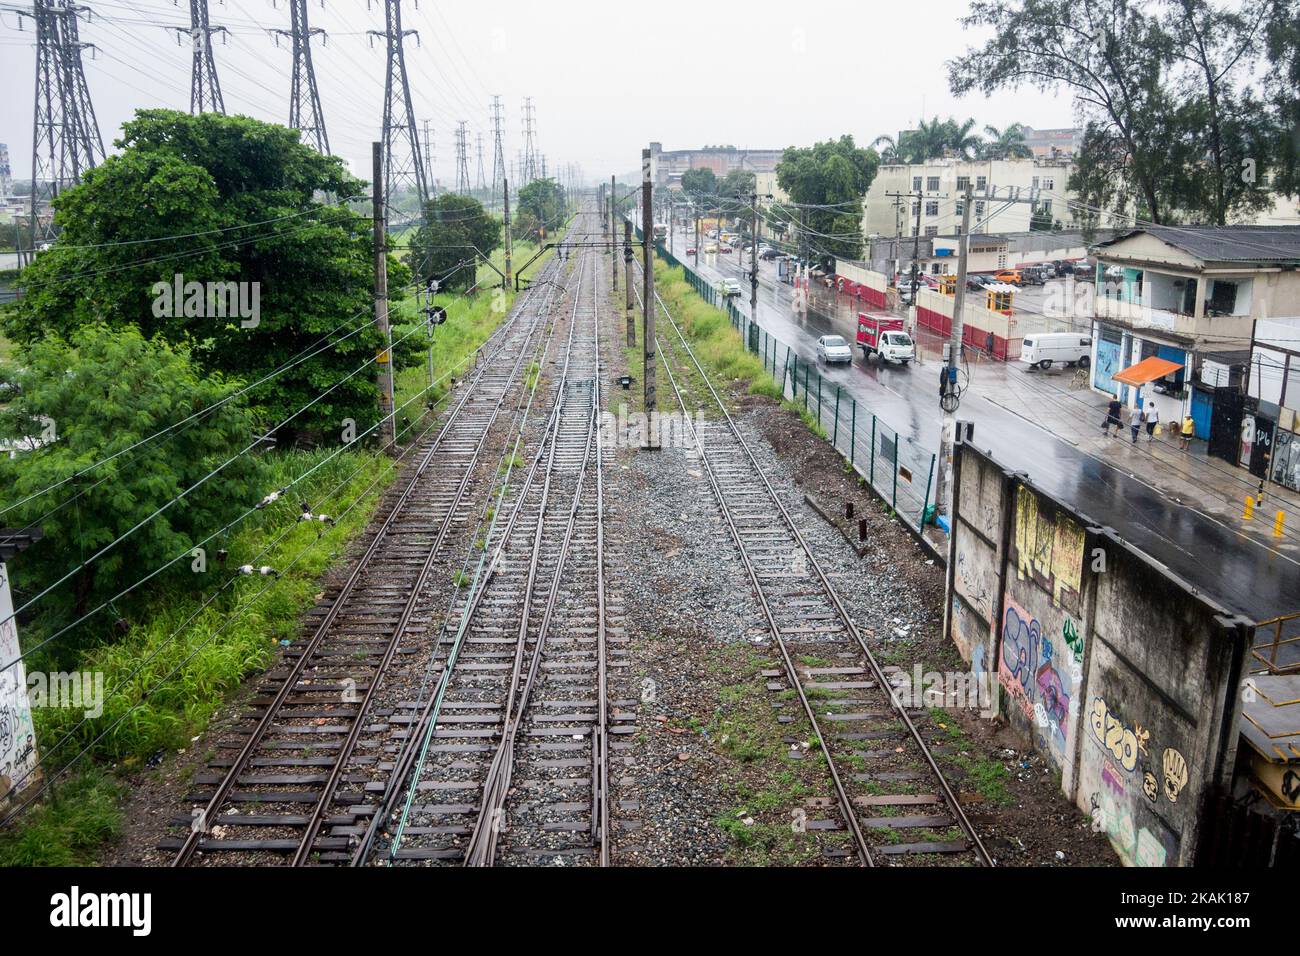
(6, 174)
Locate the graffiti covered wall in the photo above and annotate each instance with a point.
(1119, 673)
(17, 735)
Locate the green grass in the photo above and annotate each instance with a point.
(167, 675)
(6, 349)
(68, 828)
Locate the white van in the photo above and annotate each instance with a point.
(1045, 349)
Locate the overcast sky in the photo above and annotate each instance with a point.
(606, 76)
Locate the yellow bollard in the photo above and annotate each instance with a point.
(1277, 524)
(1250, 508)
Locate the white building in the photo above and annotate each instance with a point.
(943, 184)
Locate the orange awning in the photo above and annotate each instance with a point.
(1147, 370)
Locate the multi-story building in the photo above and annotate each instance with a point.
(670, 164)
(1052, 142)
(1184, 303)
(943, 182)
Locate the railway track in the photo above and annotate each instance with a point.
(507, 762)
(890, 796)
(272, 790)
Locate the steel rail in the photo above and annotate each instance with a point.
(877, 672)
(481, 850)
(239, 765)
(418, 737)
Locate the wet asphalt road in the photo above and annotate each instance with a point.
(1230, 567)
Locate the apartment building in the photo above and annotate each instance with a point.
(943, 183)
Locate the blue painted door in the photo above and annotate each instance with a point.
(1202, 412)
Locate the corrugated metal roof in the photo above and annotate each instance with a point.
(1255, 244)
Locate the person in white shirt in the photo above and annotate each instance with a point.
(1153, 419)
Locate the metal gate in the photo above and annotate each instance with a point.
(1225, 424)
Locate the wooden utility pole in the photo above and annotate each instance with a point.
(384, 360)
(505, 189)
(648, 332)
(613, 234)
(950, 397)
(627, 265)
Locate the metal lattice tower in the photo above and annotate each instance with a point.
(65, 137)
(305, 112)
(205, 88)
(498, 151)
(478, 141)
(528, 167)
(428, 158)
(462, 160)
(401, 139)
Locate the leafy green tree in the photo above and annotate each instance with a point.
(220, 199)
(1164, 87)
(456, 230)
(543, 200)
(932, 139)
(90, 396)
(828, 182)
(700, 183)
(1006, 143)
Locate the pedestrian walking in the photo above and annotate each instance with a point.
(1112, 418)
(1135, 422)
(1152, 419)
(1186, 433)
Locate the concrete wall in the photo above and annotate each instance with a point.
(982, 328)
(1120, 673)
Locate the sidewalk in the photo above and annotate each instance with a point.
(1062, 405)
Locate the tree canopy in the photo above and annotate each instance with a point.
(542, 201)
(828, 182)
(1174, 128)
(219, 199)
(456, 229)
(96, 393)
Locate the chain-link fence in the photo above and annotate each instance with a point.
(896, 467)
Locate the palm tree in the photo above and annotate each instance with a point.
(889, 155)
(963, 143)
(1008, 143)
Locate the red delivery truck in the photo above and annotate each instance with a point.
(885, 336)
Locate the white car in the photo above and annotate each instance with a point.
(729, 287)
(832, 349)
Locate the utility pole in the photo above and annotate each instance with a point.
(753, 258)
(505, 193)
(697, 237)
(627, 269)
(385, 360)
(401, 139)
(613, 230)
(205, 90)
(528, 168)
(648, 333)
(950, 395)
(65, 136)
(305, 112)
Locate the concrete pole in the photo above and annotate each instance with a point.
(385, 361)
(753, 259)
(613, 233)
(949, 399)
(505, 192)
(627, 265)
(648, 333)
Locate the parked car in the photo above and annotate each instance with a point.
(710, 249)
(1009, 276)
(976, 283)
(832, 349)
(690, 251)
(885, 337)
(725, 250)
(1045, 349)
(768, 253)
